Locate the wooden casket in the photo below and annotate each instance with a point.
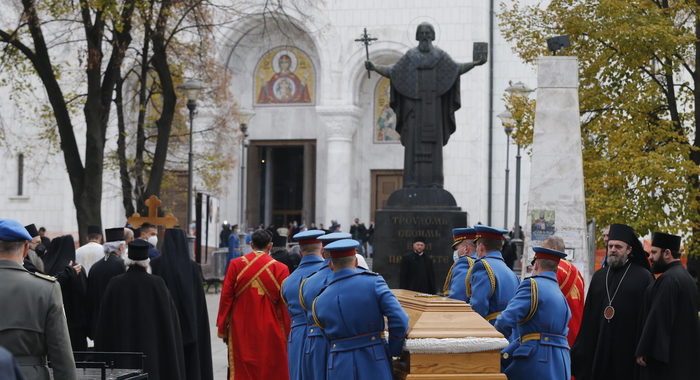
(447, 340)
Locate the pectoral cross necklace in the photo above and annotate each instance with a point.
(609, 311)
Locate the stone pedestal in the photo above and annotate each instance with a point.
(447, 340)
(556, 203)
(395, 229)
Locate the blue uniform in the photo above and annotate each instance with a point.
(290, 294)
(351, 311)
(455, 282)
(491, 286)
(540, 315)
(315, 347)
(234, 249)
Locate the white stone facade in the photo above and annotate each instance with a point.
(340, 120)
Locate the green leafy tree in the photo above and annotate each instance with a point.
(639, 105)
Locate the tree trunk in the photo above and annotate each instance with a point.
(695, 154)
(164, 123)
(127, 189)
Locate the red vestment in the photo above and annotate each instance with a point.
(254, 318)
(571, 284)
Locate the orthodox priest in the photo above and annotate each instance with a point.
(142, 302)
(111, 265)
(59, 262)
(612, 315)
(669, 347)
(425, 96)
(183, 278)
(253, 320)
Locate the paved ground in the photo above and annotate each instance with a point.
(218, 348)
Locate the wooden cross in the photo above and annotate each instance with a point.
(153, 203)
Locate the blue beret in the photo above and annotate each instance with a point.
(488, 232)
(342, 248)
(546, 253)
(308, 235)
(11, 230)
(329, 238)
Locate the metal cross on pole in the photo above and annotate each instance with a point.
(366, 40)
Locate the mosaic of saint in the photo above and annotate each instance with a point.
(384, 116)
(284, 75)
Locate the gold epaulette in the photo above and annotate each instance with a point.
(534, 302)
(44, 276)
(448, 280)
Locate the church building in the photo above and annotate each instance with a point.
(321, 141)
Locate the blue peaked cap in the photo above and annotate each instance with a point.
(12, 230)
(329, 238)
(342, 245)
(308, 235)
(547, 251)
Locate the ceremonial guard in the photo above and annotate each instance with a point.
(315, 348)
(455, 283)
(350, 310)
(311, 261)
(32, 322)
(540, 315)
(490, 283)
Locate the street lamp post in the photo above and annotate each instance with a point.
(519, 90)
(507, 121)
(244, 117)
(192, 88)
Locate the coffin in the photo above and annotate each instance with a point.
(447, 340)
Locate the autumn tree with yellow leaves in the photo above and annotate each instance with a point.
(639, 104)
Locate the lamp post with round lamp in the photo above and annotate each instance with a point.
(192, 89)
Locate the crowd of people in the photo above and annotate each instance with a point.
(116, 293)
(329, 316)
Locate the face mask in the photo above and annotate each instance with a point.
(153, 240)
(455, 256)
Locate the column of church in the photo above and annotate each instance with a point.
(340, 124)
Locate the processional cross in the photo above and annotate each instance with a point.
(153, 203)
(366, 40)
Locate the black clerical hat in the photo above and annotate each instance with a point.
(138, 249)
(625, 233)
(94, 230)
(666, 241)
(419, 239)
(32, 230)
(622, 232)
(114, 234)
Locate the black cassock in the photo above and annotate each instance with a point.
(183, 278)
(417, 273)
(138, 315)
(670, 339)
(57, 262)
(100, 274)
(605, 349)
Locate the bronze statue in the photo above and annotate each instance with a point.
(424, 96)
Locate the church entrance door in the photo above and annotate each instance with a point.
(281, 182)
(384, 182)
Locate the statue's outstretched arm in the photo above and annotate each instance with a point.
(384, 71)
(464, 67)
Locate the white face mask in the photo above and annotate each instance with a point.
(153, 240)
(455, 256)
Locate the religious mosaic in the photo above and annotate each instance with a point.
(384, 116)
(284, 75)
